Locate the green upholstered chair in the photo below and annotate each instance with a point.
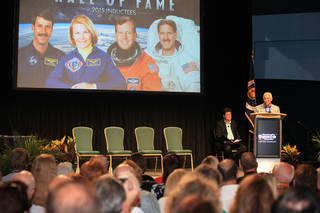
(145, 144)
(114, 140)
(83, 143)
(173, 138)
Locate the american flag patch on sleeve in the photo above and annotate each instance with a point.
(189, 67)
(153, 68)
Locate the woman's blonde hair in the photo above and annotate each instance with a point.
(85, 21)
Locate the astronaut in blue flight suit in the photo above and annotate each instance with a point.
(38, 59)
(87, 66)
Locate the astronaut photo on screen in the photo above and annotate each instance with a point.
(174, 43)
(38, 59)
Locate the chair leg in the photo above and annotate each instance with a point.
(191, 159)
(184, 161)
(161, 159)
(155, 166)
(110, 165)
(78, 167)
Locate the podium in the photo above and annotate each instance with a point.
(267, 134)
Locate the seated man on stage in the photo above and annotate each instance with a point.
(227, 136)
(267, 106)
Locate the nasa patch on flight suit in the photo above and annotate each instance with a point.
(93, 62)
(33, 60)
(74, 64)
(133, 83)
(51, 61)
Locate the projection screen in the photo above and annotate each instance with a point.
(109, 45)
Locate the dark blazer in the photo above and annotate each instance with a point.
(221, 131)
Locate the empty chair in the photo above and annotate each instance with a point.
(145, 144)
(114, 140)
(83, 143)
(173, 138)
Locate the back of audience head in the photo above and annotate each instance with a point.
(248, 162)
(64, 168)
(170, 163)
(72, 197)
(110, 193)
(139, 160)
(253, 195)
(193, 184)
(92, 170)
(19, 159)
(283, 172)
(173, 180)
(211, 161)
(27, 178)
(305, 176)
(195, 204)
(209, 172)
(228, 170)
(44, 169)
(271, 181)
(103, 159)
(297, 200)
(56, 181)
(14, 197)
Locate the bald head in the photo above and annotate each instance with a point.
(72, 197)
(283, 172)
(27, 178)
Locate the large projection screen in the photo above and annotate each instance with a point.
(109, 45)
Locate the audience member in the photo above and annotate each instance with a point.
(125, 174)
(249, 164)
(271, 181)
(172, 180)
(297, 200)
(72, 197)
(148, 202)
(104, 160)
(64, 168)
(228, 170)
(211, 161)
(92, 169)
(27, 178)
(147, 180)
(19, 160)
(209, 172)
(14, 197)
(110, 193)
(196, 185)
(56, 181)
(254, 195)
(170, 163)
(44, 169)
(283, 172)
(305, 176)
(195, 204)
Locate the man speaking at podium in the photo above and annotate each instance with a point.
(267, 106)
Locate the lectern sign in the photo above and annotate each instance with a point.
(268, 141)
(268, 134)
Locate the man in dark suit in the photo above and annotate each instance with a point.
(227, 136)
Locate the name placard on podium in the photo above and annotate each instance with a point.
(268, 134)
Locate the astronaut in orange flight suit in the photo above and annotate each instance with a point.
(136, 66)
